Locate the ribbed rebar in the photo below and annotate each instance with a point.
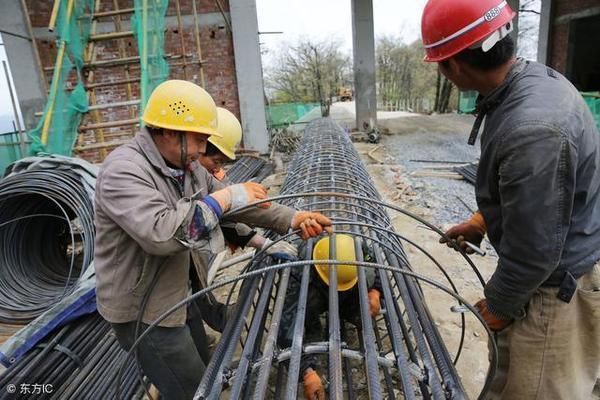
(74, 362)
(327, 164)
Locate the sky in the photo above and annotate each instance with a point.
(324, 19)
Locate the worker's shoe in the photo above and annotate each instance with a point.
(313, 386)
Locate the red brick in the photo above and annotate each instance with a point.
(217, 52)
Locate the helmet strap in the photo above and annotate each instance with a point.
(183, 153)
(496, 36)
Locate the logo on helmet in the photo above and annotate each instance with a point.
(492, 14)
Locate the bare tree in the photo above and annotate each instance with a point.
(402, 76)
(309, 71)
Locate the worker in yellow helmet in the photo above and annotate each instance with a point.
(318, 302)
(155, 209)
(219, 151)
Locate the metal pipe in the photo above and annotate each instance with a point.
(56, 76)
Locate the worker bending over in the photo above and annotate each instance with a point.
(155, 208)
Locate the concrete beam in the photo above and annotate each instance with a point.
(249, 75)
(363, 41)
(588, 12)
(23, 64)
(544, 32)
(515, 5)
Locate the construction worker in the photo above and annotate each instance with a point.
(318, 302)
(219, 151)
(538, 192)
(156, 207)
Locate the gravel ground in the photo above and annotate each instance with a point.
(434, 138)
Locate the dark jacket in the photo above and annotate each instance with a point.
(538, 184)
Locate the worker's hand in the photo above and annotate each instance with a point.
(472, 231)
(281, 247)
(311, 224)
(494, 323)
(219, 174)
(374, 302)
(239, 195)
(313, 387)
(232, 247)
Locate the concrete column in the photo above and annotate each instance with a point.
(23, 64)
(515, 5)
(544, 35)
(363, 41)
(249, 74)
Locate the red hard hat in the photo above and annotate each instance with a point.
(451, 26)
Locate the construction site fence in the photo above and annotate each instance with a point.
(592, 99)
(279, 115)
(411, 105)
(466, 102)
(13, 147)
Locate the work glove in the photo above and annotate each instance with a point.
(494, 323)
(313, 387)
(472, 231)
(220, 174)
(281, 247)
(240, 195)
(374, 302)
(311, 224)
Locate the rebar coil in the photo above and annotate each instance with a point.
(46, 233)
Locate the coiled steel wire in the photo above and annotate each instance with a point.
(46, 234)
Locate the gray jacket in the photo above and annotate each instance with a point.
(141, 219)
(538, 184)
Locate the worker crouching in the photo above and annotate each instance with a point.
(318, 302)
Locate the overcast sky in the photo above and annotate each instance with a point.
(324, 19)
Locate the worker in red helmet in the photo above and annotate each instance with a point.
(538, 193)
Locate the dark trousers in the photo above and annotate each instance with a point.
(174, 359)
(317, 303)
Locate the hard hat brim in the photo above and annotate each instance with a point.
(179, 128)
(229, 154)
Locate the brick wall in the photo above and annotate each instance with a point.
(560, 33)
(217, 52)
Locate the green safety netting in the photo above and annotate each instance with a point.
(67, 100)
(288, 113)
(11, 150)
(466, 102)
(148, 25)
(593, 101)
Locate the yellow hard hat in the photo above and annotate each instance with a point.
(181, 106)
(231, 133)
(347, 275)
